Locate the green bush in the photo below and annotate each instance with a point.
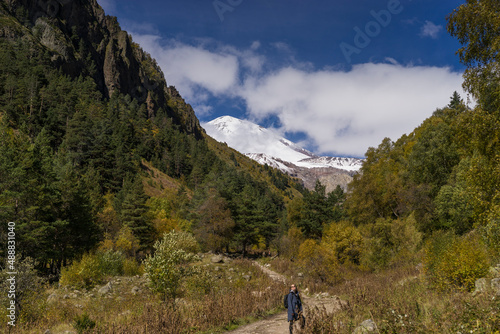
(454, 208)
(453, 262)
(83, 323)
(378, 247)
(29, 295)
(92, 268)
(491, 233)
(390, 242)
(82, 274)
(111, 262)
(132, 268)
(406, 239)
(170, 264)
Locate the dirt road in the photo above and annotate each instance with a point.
(277, 324)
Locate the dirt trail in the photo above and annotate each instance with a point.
(277, 324)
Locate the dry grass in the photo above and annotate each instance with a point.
(157, 183)
(213, 312)
(232, 301)
(399, 301)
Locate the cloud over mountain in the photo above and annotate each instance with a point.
(342, 112)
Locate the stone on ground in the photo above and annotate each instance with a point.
(366, 326)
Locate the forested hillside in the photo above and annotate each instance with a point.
(84, 112)
(446, 173)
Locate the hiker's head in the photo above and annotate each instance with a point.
(293, 288)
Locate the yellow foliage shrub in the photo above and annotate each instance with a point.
(131, 267)
(344, 241)
(164, 224)
(106, 245)
(126, 242)
(453, 262)
(319, 262)
(91, 269)
(82, 274)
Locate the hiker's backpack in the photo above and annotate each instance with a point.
(285, 300)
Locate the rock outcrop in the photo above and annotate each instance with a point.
(330, 177)
(82, 40)
(490, 283)
(105, 289)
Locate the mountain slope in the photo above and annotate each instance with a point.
(267, 147)
(84, 42)
(94, 145)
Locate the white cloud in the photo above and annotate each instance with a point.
(138, 28)
(190, 68)
(341, 112)
(203, 110)
(430, 29)
(411, 21)
(283, 47)
(391, 60)
(255, 45)
(346, 112)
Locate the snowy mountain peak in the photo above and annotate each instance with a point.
(230, 125)
(267, 146)
(247, 137)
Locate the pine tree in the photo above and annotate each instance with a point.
(133, 211)
(456, 101)
(317, 212)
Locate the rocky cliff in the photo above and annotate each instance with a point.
(83, 41)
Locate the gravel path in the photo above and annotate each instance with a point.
(277, 324)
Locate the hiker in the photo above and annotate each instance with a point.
(295, 308)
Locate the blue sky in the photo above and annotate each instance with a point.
(335, 76)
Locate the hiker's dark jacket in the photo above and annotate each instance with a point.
(294, 305)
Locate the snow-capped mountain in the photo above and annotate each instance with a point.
(268, 147)
(247, 137)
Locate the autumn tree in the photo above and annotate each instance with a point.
(344, 240)
(215, 224)
(476, 25)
